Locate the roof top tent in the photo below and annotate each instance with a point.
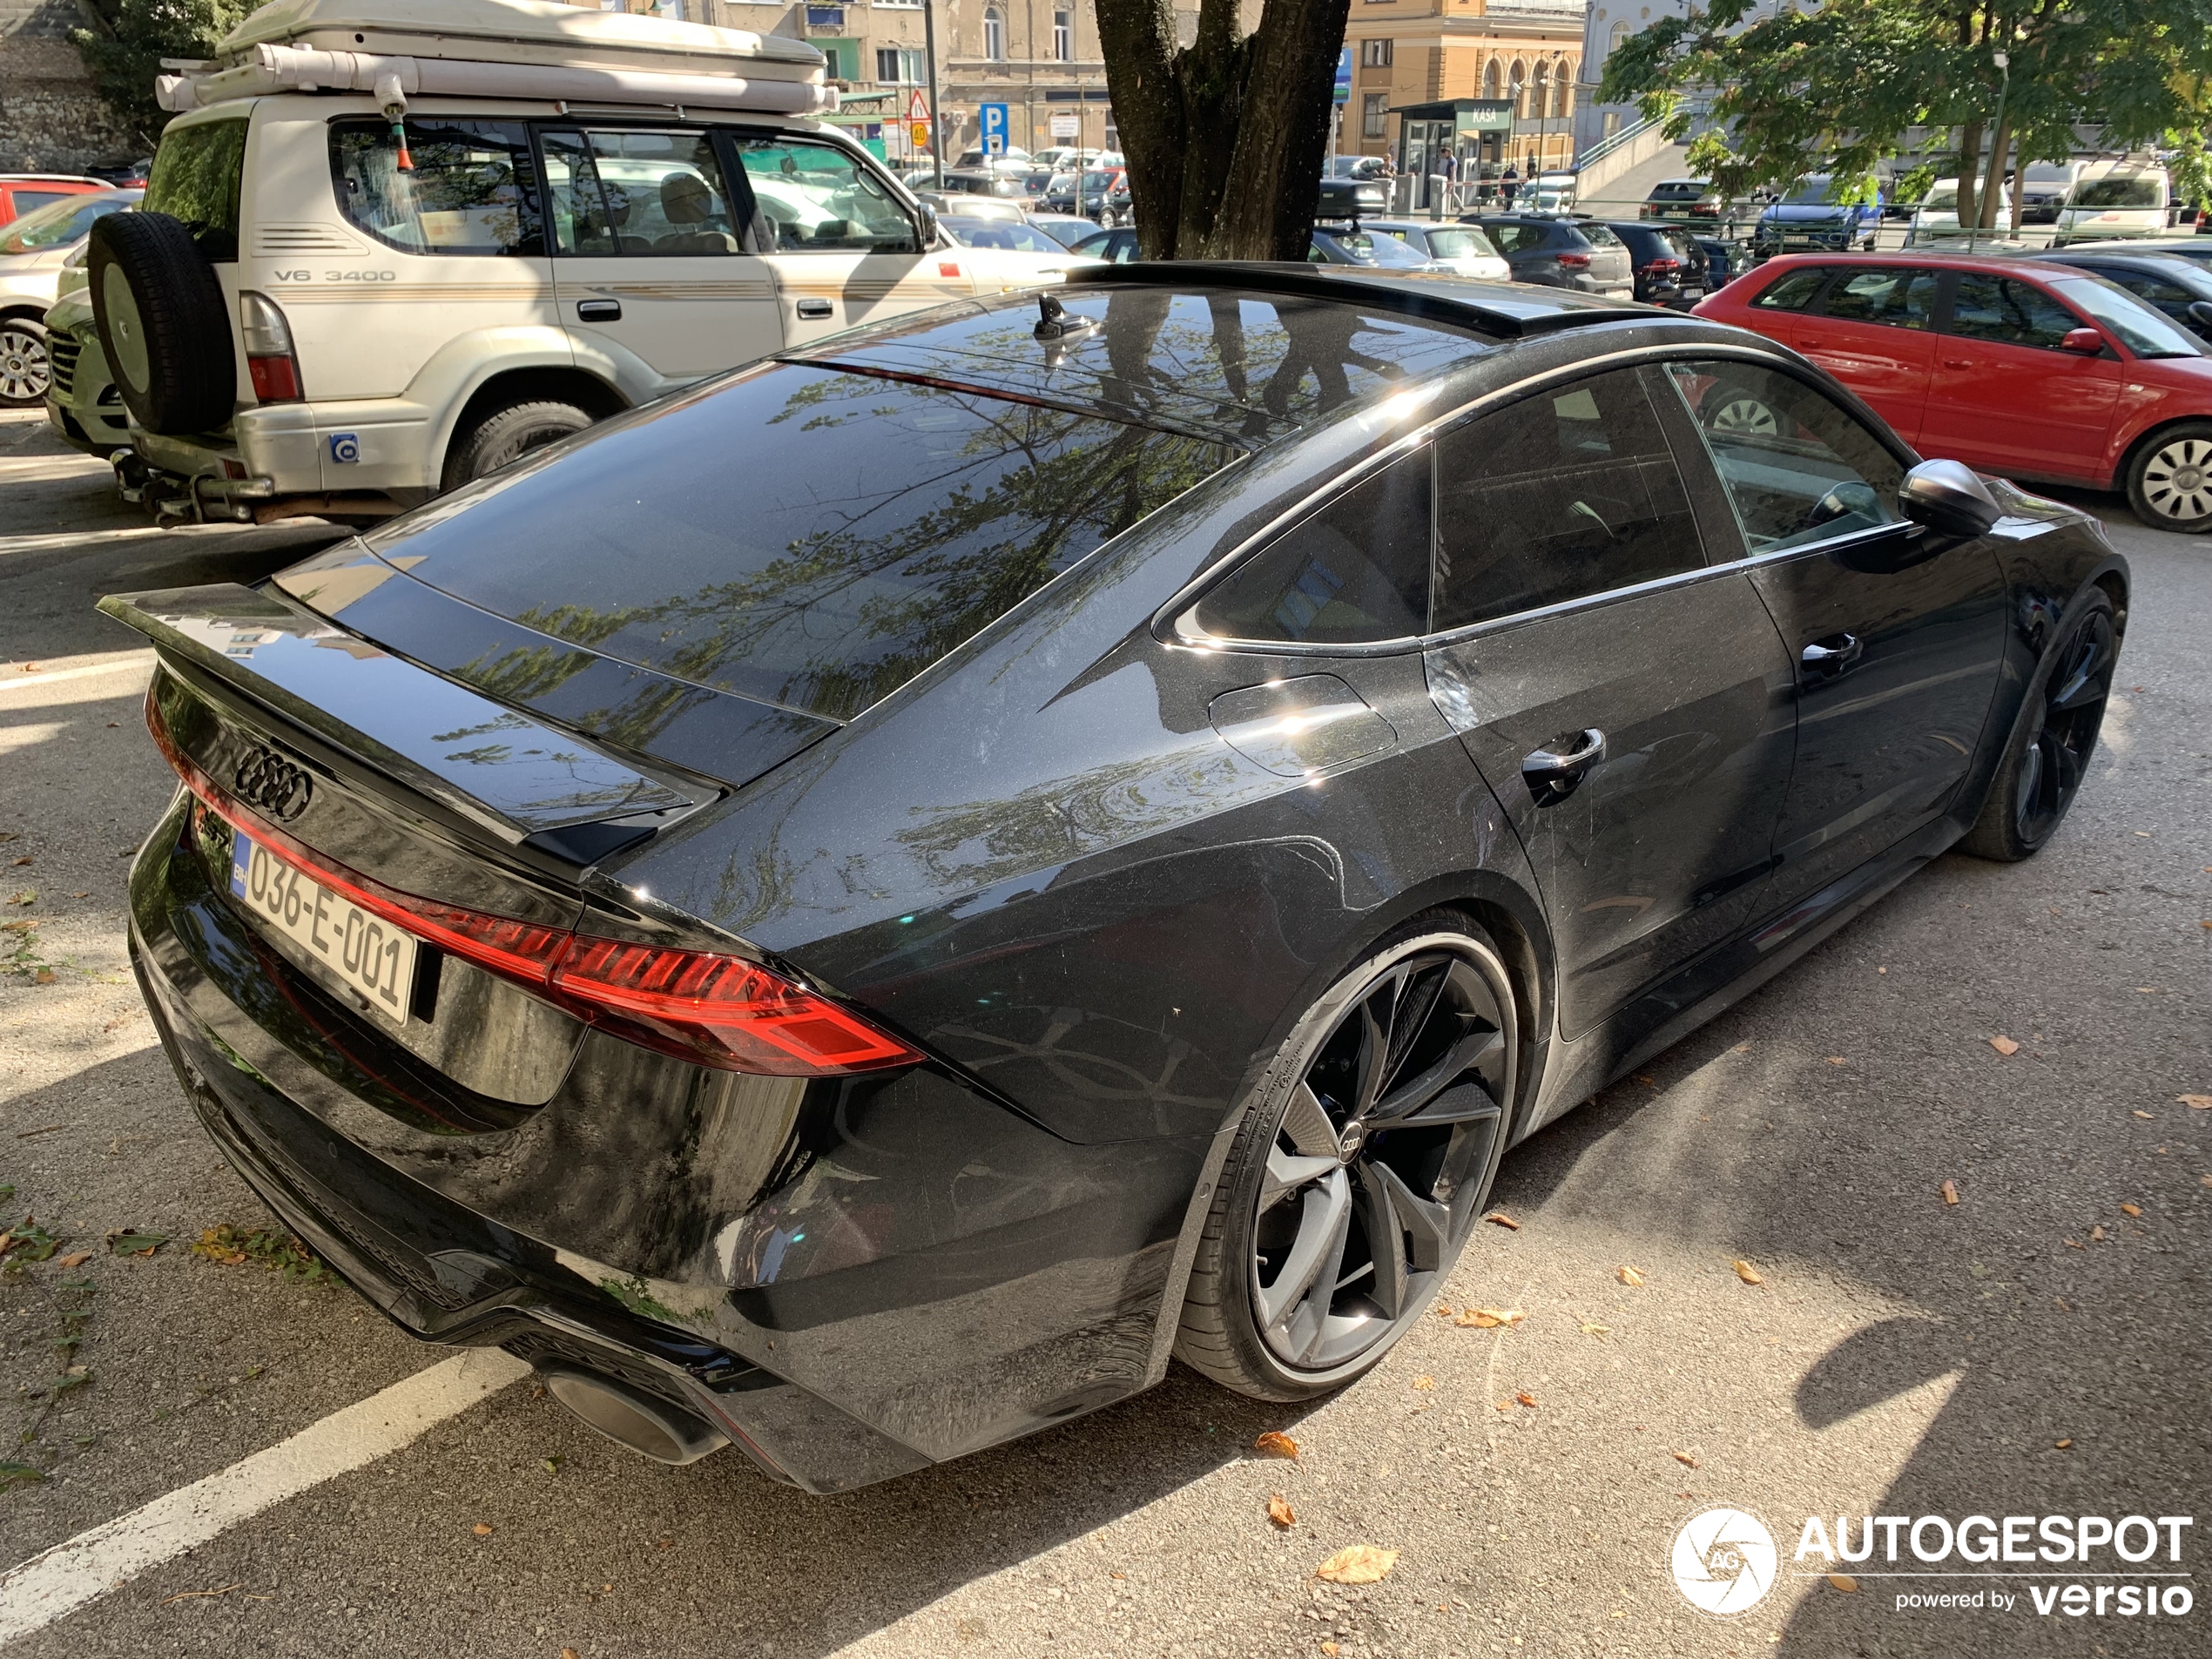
(521, 49)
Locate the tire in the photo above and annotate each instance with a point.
(507, 434)
(2169, 479)
(1303, 1193)
(24, 371)
(2052, 740)
(163, 324)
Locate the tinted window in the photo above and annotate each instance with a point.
(2120, 193)
(2143, 285)
(25, 200)
(196, 176)
(1794, 292)
(1513, 237)
(1999, 308)
(1906, 298)
(1796, 468)
(1570, 492)
(1356, 572)
(805, 537)
(817, 198)
(1595, 235)
(652, 193)
(2143, 331)
(472, 188)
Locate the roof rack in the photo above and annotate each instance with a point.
(1487, 307)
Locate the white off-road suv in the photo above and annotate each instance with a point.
(389, 246)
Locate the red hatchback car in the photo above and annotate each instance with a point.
(22, 192)
(2037, 372)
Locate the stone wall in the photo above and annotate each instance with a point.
(51, 119)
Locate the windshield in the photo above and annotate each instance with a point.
(1386, 250)
(2143, 331)
(1458, 244)
(1810, 192)
(876, 524)
(2120, 193)
(59, 223)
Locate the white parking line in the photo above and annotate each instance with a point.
(121, 661)
(52, 1585)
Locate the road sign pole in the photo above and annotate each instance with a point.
(936, 103)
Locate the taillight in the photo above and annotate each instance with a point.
(270, 359)
(1574, 261)
(700, 1006)
(1664, 265)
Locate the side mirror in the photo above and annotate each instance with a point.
(1949, 499)
(2201, 313)
(2088, 341)
(928, 215)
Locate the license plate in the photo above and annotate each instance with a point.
(368, 954)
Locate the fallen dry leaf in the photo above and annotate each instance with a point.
(1274, 1443)
(1424, 1384)
(1526, 1397)
(1629, 1276)
(2062, 1444)
(2204, 1180)
(2196, 1102)
(1488, 1318)
(1330, 1651)
(1685, 1459)
(1499, 1218)
(1505, 1405)
(1595, 1330)
(1838, 1059)
(2097, 1233)
(2131, 1210)
(571, 1653)
(1951, 1192)
(1749, 1274)
(482, 1529)
(1358, 1564)
(1843, 1582)
(2141, 1113)
(2075, 1243)
(77, 1258)
(25, 858)
(2004, 1045)
(1279, 1511)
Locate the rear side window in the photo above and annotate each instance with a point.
(638, 192)
(1356, 572)
(1570, 493)
(1597, 235)
(1904, 297)
(1793, 293)
(472, 188)
(805, 537)
(196, 174)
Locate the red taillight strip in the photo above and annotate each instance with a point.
(699, 1006)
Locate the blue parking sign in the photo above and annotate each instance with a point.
(994, 119)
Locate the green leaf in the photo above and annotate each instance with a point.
(130, 1242)
(18, 1474)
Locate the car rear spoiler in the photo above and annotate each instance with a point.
(1490, 308)
(497, 767)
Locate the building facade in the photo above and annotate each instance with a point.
(1515, 62)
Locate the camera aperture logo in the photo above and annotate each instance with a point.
(1723, 1561)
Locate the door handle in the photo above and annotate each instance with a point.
(1552, 772)
(1826, 658)
(814, 310)
(598, 310)
(1805, 344)
(1958, 362)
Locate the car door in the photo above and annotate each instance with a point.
(1873, 329)
(1894, 634)
(1628, 704)
(2004, 396)
(842, 249)
(650, 270)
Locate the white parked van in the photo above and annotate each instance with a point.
(389, 246)
(2119, 198)
(1937, 217)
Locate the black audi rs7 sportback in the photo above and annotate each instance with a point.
(861, 908)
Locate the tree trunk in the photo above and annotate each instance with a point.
(1992, 181)
(1224, 137)
(1969, 175)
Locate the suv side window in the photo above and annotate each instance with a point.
(1570, 493)
(1355, 573)
(1903, 298)
(650, 193)
(2013, 313)
(1796, 468)
(473, 188)
(816, 198)
(1511, 236)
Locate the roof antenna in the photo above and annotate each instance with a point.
(1053, 321)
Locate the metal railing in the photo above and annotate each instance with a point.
(1612, 141)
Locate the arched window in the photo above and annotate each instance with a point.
(1619, 38)
(1517, 89)
(1490, 79)
(1563, 88)
(1539, 91)
(995, 34)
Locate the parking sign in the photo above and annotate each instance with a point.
(994, 119)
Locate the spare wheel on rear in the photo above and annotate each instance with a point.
(163, 323)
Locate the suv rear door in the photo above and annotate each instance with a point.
(650, 266)
(842, 248)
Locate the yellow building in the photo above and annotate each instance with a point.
(1509, 67)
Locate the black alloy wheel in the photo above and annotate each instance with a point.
(2052, 744)
(1357, 1177)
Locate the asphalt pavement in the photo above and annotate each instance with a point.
(2039, 1347)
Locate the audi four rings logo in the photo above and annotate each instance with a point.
(269, 781)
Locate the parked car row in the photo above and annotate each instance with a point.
(37, 249)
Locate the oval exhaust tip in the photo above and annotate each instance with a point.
(650, 1428)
